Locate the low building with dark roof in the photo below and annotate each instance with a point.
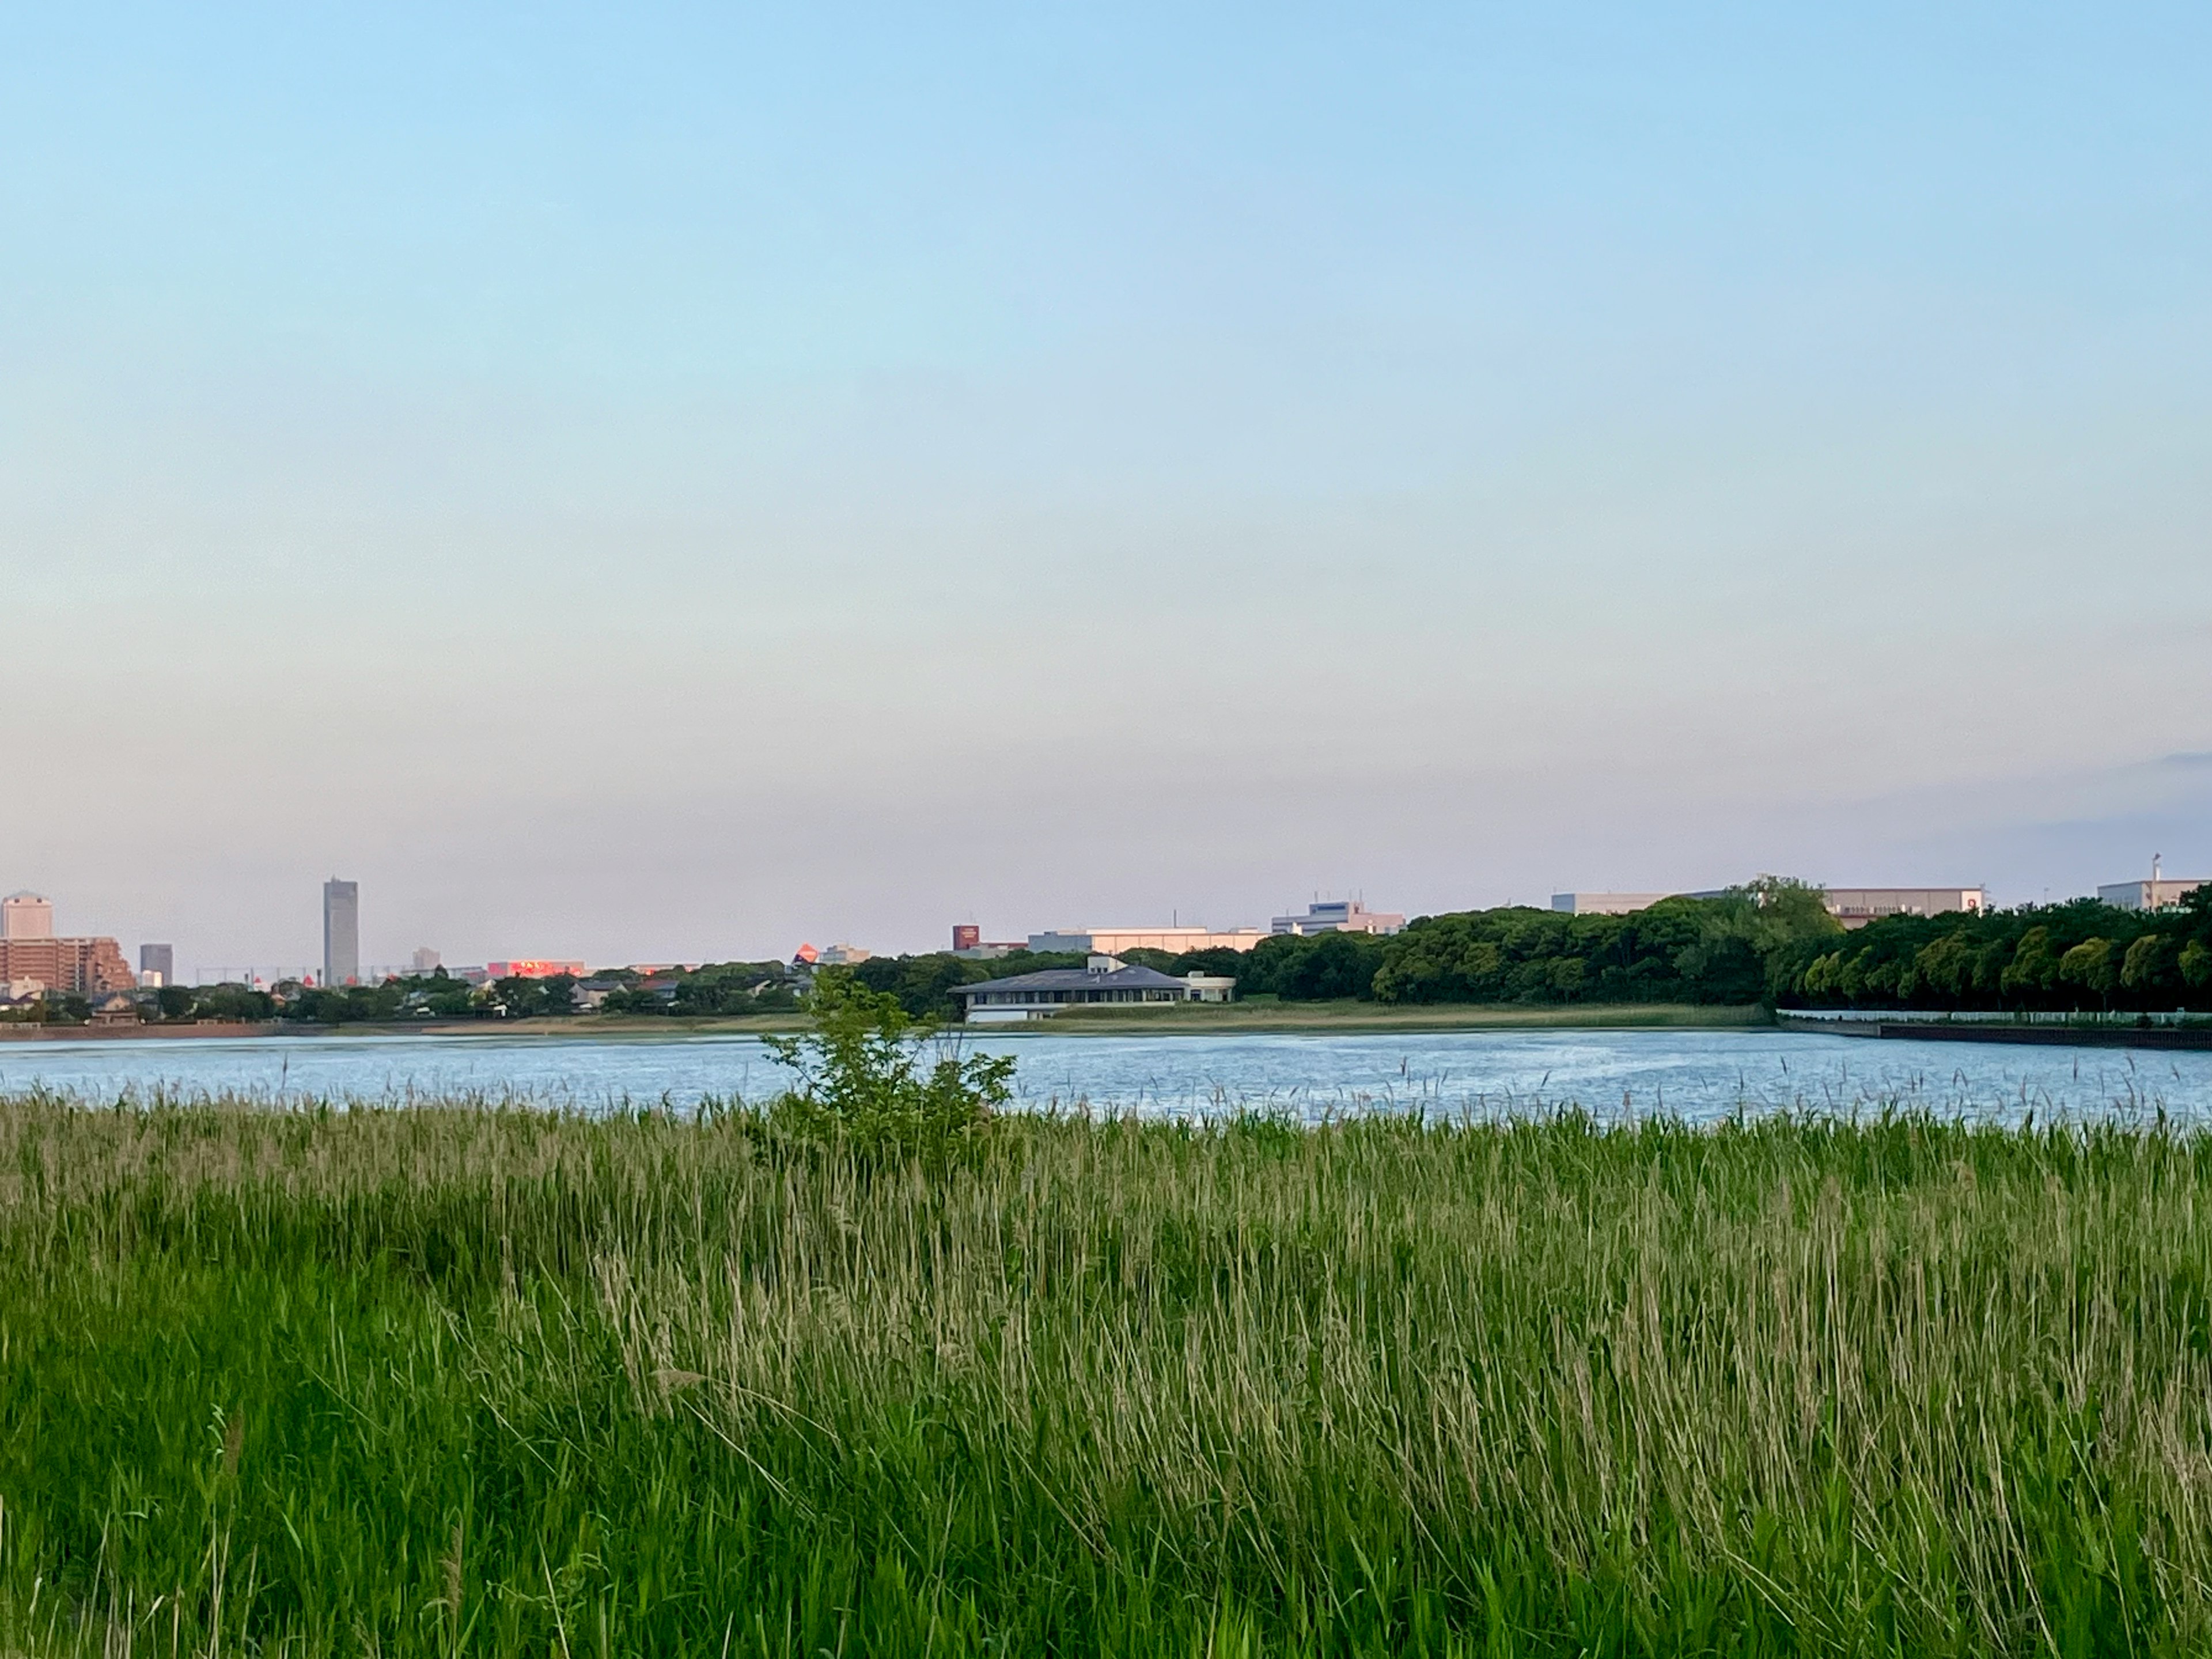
(1107, 981)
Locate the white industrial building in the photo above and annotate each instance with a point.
(1340, 916)
(1111, 941)
(2159, 893)
(1608, 904)
(1854, 906)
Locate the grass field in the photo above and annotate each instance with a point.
(448, 1381)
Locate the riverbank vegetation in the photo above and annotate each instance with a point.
(2055, 957)
(1769, 943)
(1346, 1016)
(1711, 952)
(463, 1380)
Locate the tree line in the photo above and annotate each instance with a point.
(1680, 950)
(1770, 941)
(2075, 957)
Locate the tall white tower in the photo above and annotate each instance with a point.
(341, 931)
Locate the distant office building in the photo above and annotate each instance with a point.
(1855, 907)
(157, 964)
(83, 967)
(533, 968)
(1607, 904)
(1111, 941)
(26, 916)
(843, 956)
(1340, 916)
(968, 941)
(2159, 893)
(424, 961)
(341, 932)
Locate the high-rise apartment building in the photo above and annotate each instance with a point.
(30, 950)
(26, 916)
(157, 964)
(80, 966)
(341, 931)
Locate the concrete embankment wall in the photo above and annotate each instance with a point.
(2100, 1035)
(130, 1033)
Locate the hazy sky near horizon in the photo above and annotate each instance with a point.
(671, 482)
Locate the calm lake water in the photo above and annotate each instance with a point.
(1697, 1075)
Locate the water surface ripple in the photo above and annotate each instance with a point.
(1697, 1075)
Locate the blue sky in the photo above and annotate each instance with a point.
(672, 484)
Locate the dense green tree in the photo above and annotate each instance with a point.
(239, 1003)
(2149, 963)
(2195, 966)
(2078, 955)
(1301, 968)
(1221, 962)
(2090, 967)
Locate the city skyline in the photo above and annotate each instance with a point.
(685, 482)
(345, 961)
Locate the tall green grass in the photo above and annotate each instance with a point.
(449, 1381)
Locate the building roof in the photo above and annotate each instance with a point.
(1131, 978)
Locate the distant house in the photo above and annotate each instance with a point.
(589, 994)
(1106, 981)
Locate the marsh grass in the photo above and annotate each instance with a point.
(447, 1381)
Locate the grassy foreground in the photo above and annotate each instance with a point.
(457, 1382)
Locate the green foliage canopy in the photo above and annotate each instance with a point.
(867, 1082)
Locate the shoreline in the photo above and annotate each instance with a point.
(1294, 1019)
(208, 1029)
(1236, 1020)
